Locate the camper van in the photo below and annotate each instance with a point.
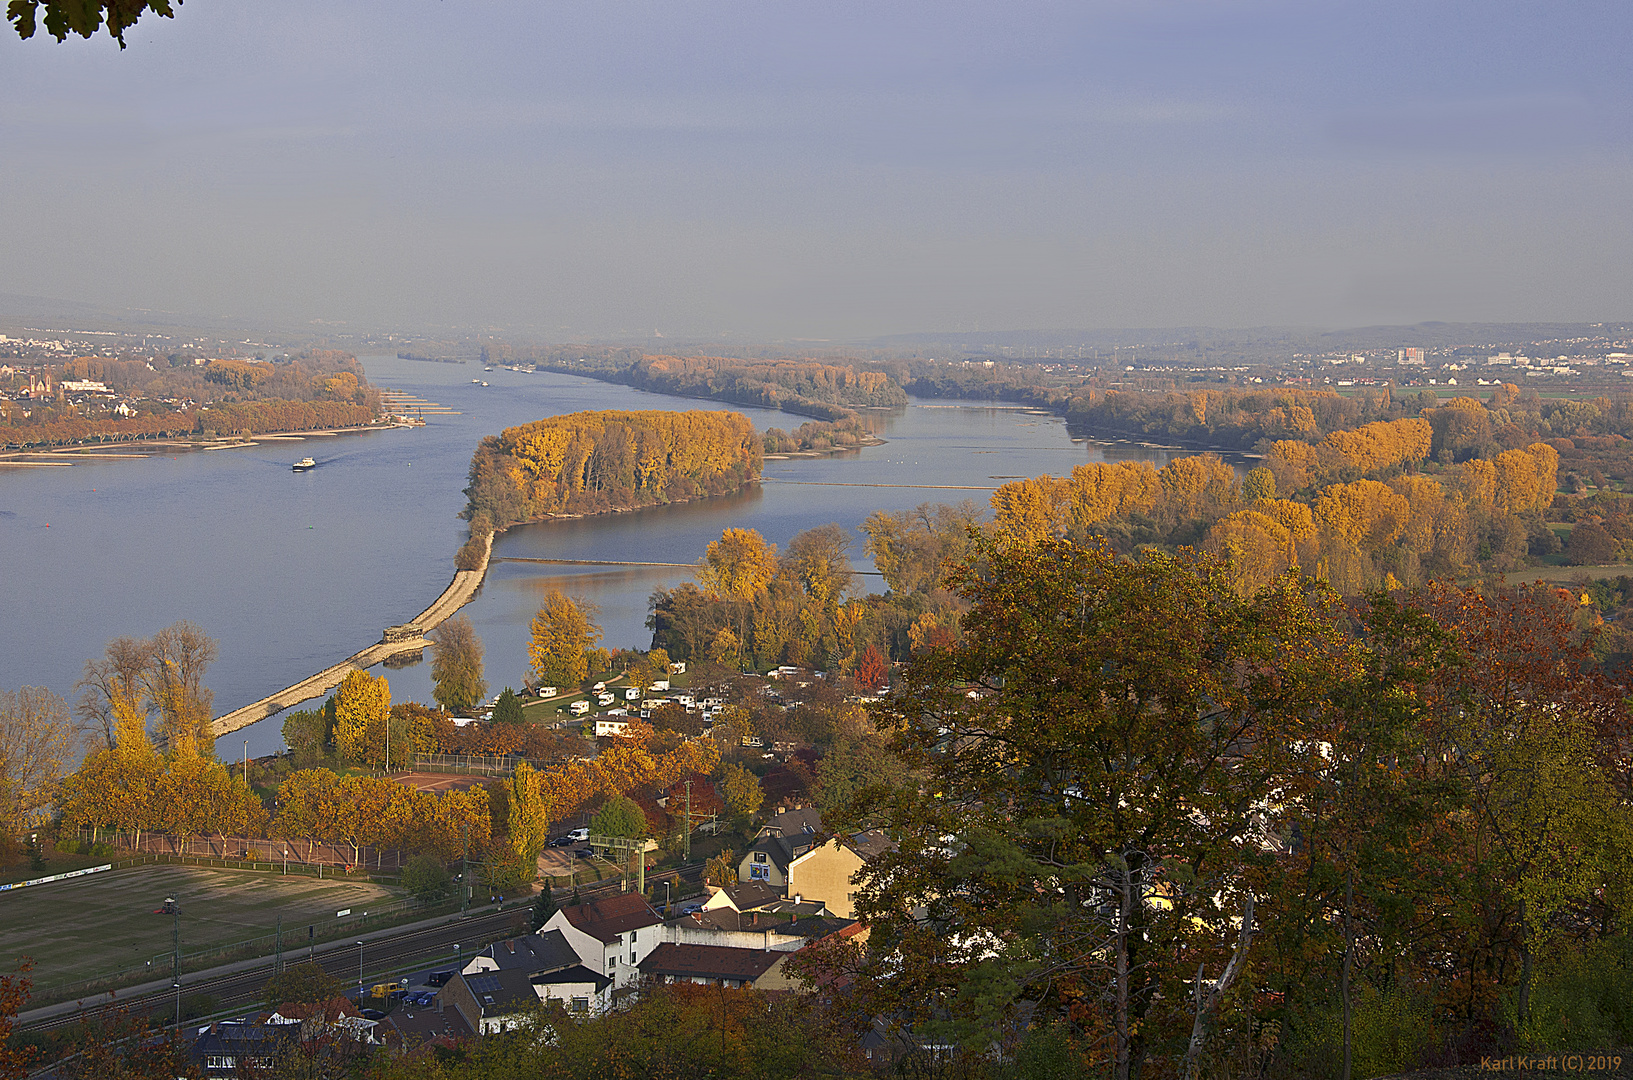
(633, 693)
(547, 691)
(579, 708)
(604, 699)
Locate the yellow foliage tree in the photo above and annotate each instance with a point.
(738, 565)
(1255, 546)
(362, 705)
(1027, 511)
(1365, 513)
(1102, 490)
(1196, 487)
(563, 635)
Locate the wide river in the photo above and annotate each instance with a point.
(291, 572)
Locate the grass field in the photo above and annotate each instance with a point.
(105, 922)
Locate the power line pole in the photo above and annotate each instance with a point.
(465, 870)
(688, 821)
(278, 966)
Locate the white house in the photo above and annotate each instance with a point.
(611, 936)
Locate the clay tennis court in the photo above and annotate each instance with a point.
(440, 782)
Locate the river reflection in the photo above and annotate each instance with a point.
(292, 572)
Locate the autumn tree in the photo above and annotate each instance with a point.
(456, 665)
(174, 682)
(112, 699)
(529, 816)
(362, 708)
(37, 739)
(738, 565)
(871, 671)
(563, 635)
(744, 795)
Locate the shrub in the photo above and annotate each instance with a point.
(425, 878)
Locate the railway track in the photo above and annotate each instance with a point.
(431, 946)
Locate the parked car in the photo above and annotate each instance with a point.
(688, 907)
(439, 978)
(579, 834)
(562, 841)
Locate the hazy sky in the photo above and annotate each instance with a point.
(828, 170)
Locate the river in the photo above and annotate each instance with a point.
(291, 572)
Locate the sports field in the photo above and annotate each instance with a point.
(100, 924)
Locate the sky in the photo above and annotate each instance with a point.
(771, 170)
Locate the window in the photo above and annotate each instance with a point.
(632, 934)
(579, 1005)
(759, 856)
(612, 961)
(632, 960)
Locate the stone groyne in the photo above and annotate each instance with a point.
(408, 637)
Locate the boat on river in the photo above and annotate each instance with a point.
(305, 463)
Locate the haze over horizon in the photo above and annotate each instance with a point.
(769, 170)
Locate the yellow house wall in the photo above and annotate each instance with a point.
(825, 874)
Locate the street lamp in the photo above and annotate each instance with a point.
(286, 860)
(666, 893)
(359, 974)
(173, 909)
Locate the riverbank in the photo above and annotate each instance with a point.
(62, 456)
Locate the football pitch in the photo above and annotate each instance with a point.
(105, 922)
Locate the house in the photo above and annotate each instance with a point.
(238, 1047)
(779, 842)
(717, 965)
(492, 1001)
(745, 896)
(408, 1028)
(828, 872)
(612, 936)
(552, 966)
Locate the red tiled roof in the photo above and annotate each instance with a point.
(606, 919)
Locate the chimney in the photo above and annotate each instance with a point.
(511, 946)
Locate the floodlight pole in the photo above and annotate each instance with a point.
(175, 955)
(688, 821)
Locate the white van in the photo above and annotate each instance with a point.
(633, 693)
(604, 699)
(579, 708)
(547, 691)
(660, 686)
(579, 835)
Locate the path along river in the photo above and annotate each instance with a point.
(291, 572)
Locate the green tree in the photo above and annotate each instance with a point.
(849, 766)
(456, 666)
(309, 733)
(64, 17)
(619, 816)
(508, 709)
(562, 636)
(543, 908)
(738, 565)
(1137, 711)
(1259, 483)
(426, 878)
(302, 984)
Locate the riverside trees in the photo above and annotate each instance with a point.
(456, 665)
(563, 641)
(137, 677)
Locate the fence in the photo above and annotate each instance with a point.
(239, 849)
(486, 764)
